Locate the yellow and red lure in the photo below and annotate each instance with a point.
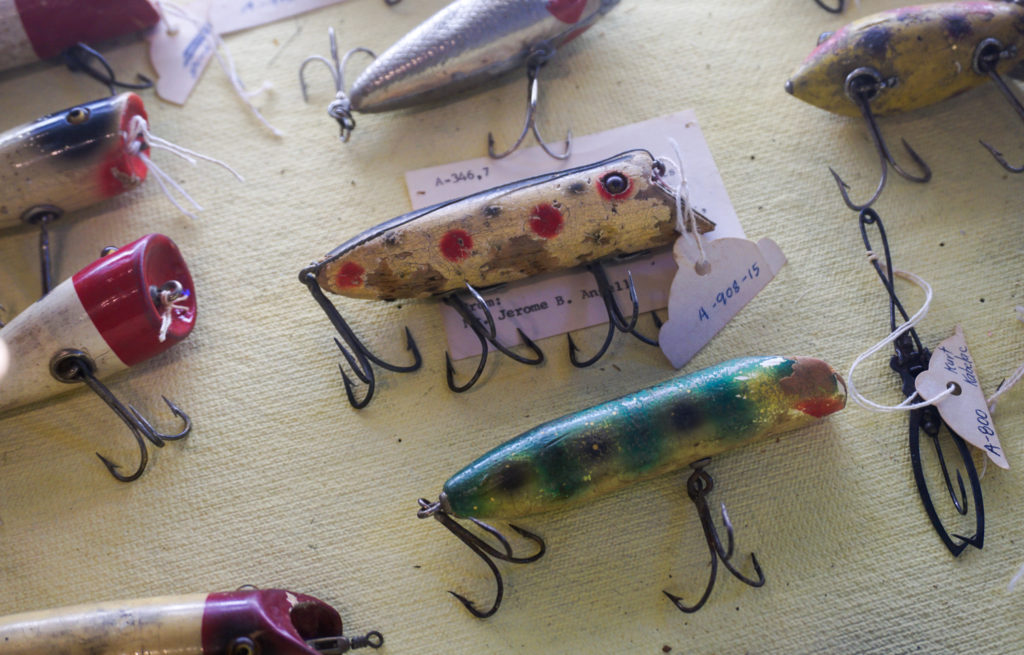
(908, 58)
(581, 456)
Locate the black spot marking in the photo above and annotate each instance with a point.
(577, 188)
(492, 211)
(875, 41)
(686, 416)
(513, 476)
(958, 27)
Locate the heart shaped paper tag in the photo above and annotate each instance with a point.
(965, 411)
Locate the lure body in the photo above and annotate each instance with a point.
(602, 449)
(466, 43)
(109, 311)
(69, 160)
(39, 29)
(267, 620)
(538, 225)
(923, 54)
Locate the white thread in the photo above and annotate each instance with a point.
(1016, 578)
(170, 300)
(138, 137)
(907, 404)
(686, 218)
(172, 30)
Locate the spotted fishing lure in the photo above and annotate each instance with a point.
(538, 225)
(908, 58)
(579, 457)
(243, 622)
(465, 45)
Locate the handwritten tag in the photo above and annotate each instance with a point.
(700, 305)
(180, 54)
(233, 15)
(965, 412)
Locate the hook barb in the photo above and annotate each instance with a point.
(340, 109)
(535, 62)
(986, 57)
(616, 319)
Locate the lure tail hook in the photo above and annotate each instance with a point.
(482, 549)
(80, 58)
(838, 9)
(340, 109)
(986, 57)
(862, 85)
(487, 333)
(76, 366)
(698, 486)
(616, 319)
(360, 359)
(535, 62)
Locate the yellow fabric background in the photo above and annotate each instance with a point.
(282, 484)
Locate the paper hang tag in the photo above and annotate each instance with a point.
(966, 412)
(234, 15)
(700, 305)
(181, 50)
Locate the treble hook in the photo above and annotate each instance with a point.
(482, 549)
(361, 358)
(75, 366)
(986, 57)
(838, 9)
(862, 85)
(340, 108)
(698, 486)
(78, 58)
(486, 334)
(534, 63)
(911, 358)
(616, 320)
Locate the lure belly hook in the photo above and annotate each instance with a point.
(463, 46)
(579, 457)
(243, 622)
(122, 309)
(542, 224)
(908, 58)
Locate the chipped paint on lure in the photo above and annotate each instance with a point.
(69, 160)
(665, 428)
(467, 43)
(538, 225)
(923, 54)
(243, 622)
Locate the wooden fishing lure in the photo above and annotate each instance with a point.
(920, 55)
(579, 457)
(537, 225)
(243, 622)
(122, 309)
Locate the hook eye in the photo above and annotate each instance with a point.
(865, 82)
(71, 366)
(77, 115)
(987, 56)
(243, 646)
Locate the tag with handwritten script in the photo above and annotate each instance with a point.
(180, 50)
(965, 411)
(699, 305)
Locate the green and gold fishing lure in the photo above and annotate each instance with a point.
(599, 450)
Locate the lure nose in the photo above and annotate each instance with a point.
(821, 388)
(789, 87)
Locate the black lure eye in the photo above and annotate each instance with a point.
(78, 115)
(615, 183)
(243, 646)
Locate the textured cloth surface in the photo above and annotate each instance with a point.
(282, 484)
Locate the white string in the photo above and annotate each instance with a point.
(170, 300)
(138, 137)
(686, 218)
(1016, 578)
(908, 403)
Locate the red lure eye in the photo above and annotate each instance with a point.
(614, 185)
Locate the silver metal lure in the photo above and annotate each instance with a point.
(464, 45)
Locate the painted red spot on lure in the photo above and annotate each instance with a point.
(567, 11)
(818, 407)
(350, 275)
(546, 221)
(456, 245)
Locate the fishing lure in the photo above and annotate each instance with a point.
(579, 457)
(466, 44)
(242, 622)
(541, 224)
(126, 307)
(75, 158)
(909, 58)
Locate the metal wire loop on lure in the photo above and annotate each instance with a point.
(535, 62)
(909, 360)
(838, 9)
(340, 109)
(487, 333)
(80, 58)
(339, 645)
(862, 85)
(360, 359)
(698, 486)
(482, 549)
(75, 366)
(986, 57)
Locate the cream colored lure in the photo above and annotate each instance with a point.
(538, 225)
